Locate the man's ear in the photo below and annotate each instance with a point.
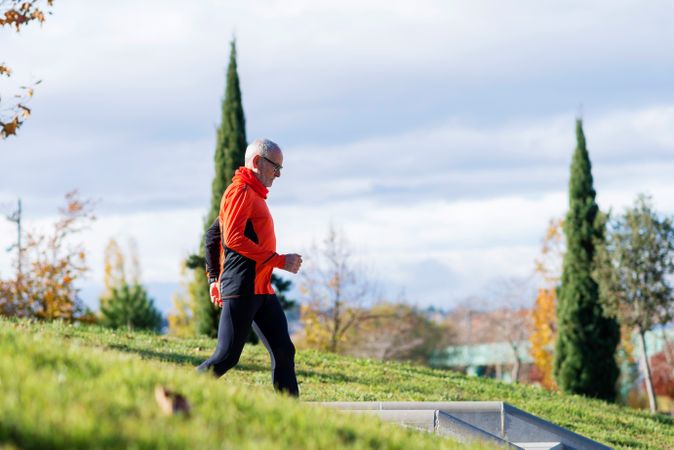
(256, 161)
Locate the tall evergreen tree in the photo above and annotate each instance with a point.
(587, 339)
(230, 149)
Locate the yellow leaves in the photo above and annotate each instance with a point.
(549, 266)
(315, 333)
(181, 317)
(543, 337)
(4, 70)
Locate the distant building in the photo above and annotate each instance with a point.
(489, 343)
(493, 360)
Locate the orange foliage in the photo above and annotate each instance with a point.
(17, 14)
(21, 12)
(47, 289)
(543, 338)
(544, 314)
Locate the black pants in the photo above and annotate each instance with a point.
(265, 314)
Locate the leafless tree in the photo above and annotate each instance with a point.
(512, 322)
(336, 293)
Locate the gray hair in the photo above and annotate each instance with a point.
(262, 147)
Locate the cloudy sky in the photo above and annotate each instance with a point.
(436, 134)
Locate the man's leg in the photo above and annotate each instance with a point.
(235, 322)
(273, 326)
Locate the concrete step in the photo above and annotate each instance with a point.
(496, 422)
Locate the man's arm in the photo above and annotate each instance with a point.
(212, 257)
(212, 250)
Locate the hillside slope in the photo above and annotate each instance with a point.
(64, 386)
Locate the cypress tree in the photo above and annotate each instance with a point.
(587, 339)
(230, 149)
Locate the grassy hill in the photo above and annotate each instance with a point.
(65, 386)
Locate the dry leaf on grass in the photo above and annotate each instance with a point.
(171, 402)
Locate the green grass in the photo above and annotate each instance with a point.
(68, 387)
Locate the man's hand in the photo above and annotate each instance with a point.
(293, 262)
(215, 294)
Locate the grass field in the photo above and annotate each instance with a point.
(66, 387)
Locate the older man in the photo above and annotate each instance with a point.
(241, 267)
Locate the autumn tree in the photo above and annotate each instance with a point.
(663, 374)
(515, 327)
(125, 301)
(548, 266)
(55, 261)
(542, 339)
(397, 331)
(114, 271)
(230, 149)
(635, 274)
(335, 294)
(16, 14)
(119, 268)
(587, 339)
(511, 324)
(181, 317)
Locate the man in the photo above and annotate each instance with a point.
(246, 259)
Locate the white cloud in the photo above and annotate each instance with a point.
(454, 161)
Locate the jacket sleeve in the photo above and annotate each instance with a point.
(212, 249)
(235, 211)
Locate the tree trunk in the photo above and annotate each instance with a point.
(516, 371)
(647, 369)
(335, 330)
(515, 374)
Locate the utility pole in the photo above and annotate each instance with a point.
(16, 218)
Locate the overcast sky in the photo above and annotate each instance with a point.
(436, 134)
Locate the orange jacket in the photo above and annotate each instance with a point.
(248, 251)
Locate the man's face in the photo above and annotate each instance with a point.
(268, 168)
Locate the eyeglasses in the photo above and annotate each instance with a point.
(277, 167)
